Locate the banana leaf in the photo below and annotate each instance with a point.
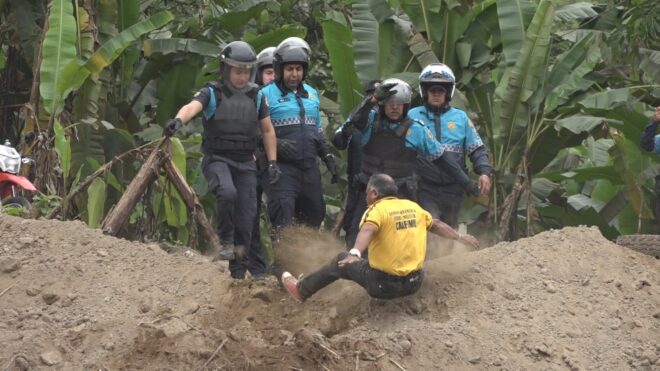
(576, 11)
(392, 46)
(420, 13)
(59, 49)
(365, 43)
(629, 164)
(95, 202)
(167, 46)
(514, 17)
(240, 15)
(566, 83)
(338, 42)
(75, 74)
(175, 88)
(273, 38)
(524, 79)
(129, 14)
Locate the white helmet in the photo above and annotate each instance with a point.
(437, 74)
(403, 91)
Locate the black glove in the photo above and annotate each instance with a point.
(347, 129)
(384, 91)
(472, 189)
(171, 126)
(332, 167)
(274, 172)
(286, 149)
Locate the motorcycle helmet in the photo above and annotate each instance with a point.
(237, 54)
(264, 60)
(437, 74)
(291, 50)
(403, 95)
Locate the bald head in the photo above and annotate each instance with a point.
(383, 185)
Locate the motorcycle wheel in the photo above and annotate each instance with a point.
(16, 201)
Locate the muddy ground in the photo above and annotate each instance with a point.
(72, 298)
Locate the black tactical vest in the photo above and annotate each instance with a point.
(234, 128)
(386, 151)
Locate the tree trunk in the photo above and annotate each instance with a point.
(119, 214)
(510, 207)
(195, 207)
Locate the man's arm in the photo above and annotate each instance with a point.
(360, 116)
(268, 133)
(189, 111)
(444, 230)
(364, 237)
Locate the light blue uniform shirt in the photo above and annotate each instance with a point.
(418, 137)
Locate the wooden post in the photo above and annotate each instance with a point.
(120, 213)
(193, 203)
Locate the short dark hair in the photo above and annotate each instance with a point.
(383, 184)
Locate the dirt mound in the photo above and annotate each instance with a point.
(72, 298)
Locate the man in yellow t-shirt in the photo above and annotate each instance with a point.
(394, 230)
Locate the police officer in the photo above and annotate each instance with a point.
(439, 192)
(294, 110)
(257, 263)
(650, 142)
(231, 123)
(265, 70)
(391, 144)
(351, 141)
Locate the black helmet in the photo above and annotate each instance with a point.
(264, 60)
(237, 54)
(291, 50)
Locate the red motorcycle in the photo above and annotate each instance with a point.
(11, 183)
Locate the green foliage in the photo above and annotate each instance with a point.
(563, 87)
(58, 51)
(95, 202)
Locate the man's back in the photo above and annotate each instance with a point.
(399, 247)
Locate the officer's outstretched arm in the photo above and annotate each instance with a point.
(360, 116)
(269, 139)
(189, 111)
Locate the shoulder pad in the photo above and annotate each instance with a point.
(215, 85)
(417, 121)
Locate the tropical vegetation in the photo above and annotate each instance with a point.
(560, 91)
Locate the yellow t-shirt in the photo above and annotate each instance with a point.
(399, 247)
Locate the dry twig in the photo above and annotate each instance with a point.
(7, 289)
(397, 364)
(329, 350)
(214, 353)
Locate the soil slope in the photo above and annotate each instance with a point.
(72, 298)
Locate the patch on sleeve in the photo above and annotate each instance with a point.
(196, 94)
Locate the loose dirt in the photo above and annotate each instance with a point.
(72, 298)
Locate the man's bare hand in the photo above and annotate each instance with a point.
(656, 115)
(348, 260)
(484, 184)
(469, 240)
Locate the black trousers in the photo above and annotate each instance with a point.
(256, 263)
(234, 185)
(378, 284)
(657, 204)
(296, 197)
(443, 202)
